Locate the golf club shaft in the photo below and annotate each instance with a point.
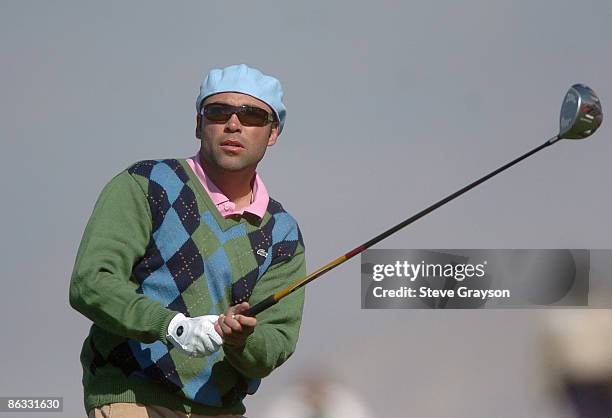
(273, 299)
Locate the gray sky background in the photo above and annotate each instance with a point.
(391, 106)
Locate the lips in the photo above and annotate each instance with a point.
(232, 143)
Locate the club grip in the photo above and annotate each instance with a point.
(261, 306)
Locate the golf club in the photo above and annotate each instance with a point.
(580, 117)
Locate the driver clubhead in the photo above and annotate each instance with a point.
(580, 113)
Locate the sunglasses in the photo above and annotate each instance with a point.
(247, 115)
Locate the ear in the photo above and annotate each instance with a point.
(273, 134)
(198, 126)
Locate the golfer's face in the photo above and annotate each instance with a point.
(230, 145)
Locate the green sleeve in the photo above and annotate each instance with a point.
(276, 333)
(114, 240)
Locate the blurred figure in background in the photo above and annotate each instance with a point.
(577, 359)
(317, 395)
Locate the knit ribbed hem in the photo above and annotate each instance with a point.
(161, 321)
(244, 362)
(103, 392)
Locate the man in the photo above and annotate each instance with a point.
(174, 252)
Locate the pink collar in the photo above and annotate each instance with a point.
(259, 202)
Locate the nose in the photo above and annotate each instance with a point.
(233, 124)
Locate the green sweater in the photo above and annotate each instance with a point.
(156, 245)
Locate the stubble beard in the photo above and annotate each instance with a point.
(222, 161)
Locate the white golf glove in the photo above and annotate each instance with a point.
(194, 336)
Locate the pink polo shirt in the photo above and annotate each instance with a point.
(259, 202)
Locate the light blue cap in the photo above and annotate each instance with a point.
(244, 79)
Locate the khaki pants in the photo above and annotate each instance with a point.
(137, 410)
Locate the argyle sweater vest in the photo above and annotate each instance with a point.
(192, 265)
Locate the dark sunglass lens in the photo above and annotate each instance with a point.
(248, 115)
(218, 112)
(253, 116)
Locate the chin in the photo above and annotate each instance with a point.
(232, 166)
